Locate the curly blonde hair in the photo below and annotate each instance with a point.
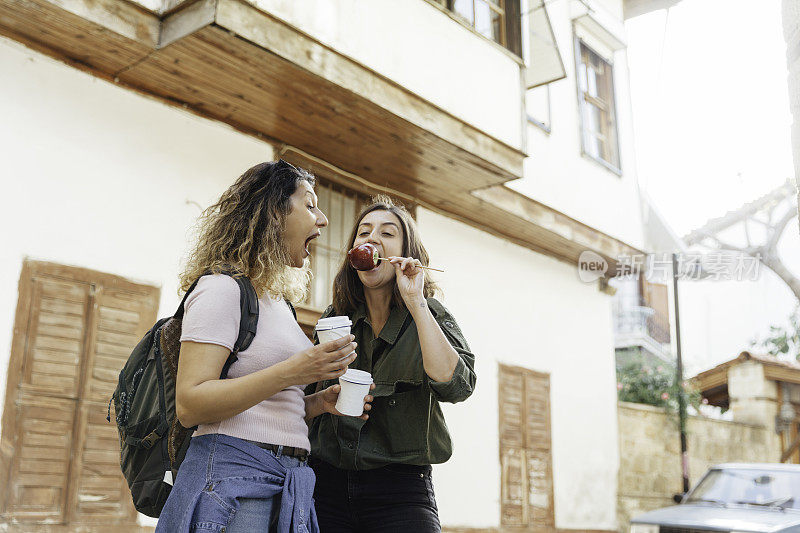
(243, 233)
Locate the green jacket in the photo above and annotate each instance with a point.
(406, 424)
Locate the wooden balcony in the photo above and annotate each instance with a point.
(229, 61)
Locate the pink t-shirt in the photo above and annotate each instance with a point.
(212, 315)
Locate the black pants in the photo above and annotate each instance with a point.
(395, 498)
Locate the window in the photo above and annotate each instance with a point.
(485, 16)
(537, 104)
(596, 100)
(498, 20)
(341, 206)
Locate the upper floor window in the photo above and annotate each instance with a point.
(498, 20)
(598, 115)
(342, 205)
(487, 17)
(537, 106)
(328, 252)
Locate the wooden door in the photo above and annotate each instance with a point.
(74, 331)
(526, 499)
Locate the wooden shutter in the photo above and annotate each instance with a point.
(538, 449)
(525, 449)
(120, 319)
(514, 485)
(45, 400)
(75, 329)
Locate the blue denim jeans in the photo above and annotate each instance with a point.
(228, 484)
(260, 514)
(393, 499)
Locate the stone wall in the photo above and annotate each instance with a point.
(650, 464)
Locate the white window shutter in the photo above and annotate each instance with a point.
(544, 64)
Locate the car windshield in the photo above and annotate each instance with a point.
(749, 486)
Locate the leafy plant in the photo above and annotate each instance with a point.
(782, 340)
(640, 381)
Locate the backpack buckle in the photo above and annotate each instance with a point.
(151, 439)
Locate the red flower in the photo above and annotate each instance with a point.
(665, 396)
(619, 386)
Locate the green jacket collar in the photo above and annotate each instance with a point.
(391, 330)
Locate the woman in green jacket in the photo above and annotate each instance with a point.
(375, 475)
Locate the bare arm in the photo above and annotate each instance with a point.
(202, 398)
(439, 358)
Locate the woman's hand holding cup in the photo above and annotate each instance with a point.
(323, 361)
(329, 396)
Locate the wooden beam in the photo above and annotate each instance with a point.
(781, 373)
(793, 447)
(76, 40)
(711, 379)
(302, 50)
(557, 223)
(188, 20)
(228, 61)
(126, 19)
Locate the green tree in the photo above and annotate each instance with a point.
(784, 340)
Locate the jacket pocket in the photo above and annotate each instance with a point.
(403, 419)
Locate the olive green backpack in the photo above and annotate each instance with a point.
(152, 440)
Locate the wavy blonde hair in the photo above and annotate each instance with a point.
(243, 233)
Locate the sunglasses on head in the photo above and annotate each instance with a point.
(286, 165)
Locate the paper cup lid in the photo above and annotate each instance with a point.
(333, 322)
(357, 376)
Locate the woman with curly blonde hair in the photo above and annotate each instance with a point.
(246, 467)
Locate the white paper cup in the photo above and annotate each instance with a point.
(332, 328)
(355, 385)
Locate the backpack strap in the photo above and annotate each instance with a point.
(291, 307)
(248, 305)
(248, 302)
(179, 313)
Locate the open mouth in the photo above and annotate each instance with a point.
(308, 242)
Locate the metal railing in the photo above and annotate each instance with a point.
(642, 321)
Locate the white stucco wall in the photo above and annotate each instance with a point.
(98, 177)
(521, 308)
(422, 49)
(556, 173)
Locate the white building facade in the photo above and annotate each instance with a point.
(122, 120)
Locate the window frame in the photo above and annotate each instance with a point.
(578, 45)
(327, 175)
(512, 35)
(361, 200)
(545, 127)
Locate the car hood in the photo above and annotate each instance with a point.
(734, 518)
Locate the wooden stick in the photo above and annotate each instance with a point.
(418, 266)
